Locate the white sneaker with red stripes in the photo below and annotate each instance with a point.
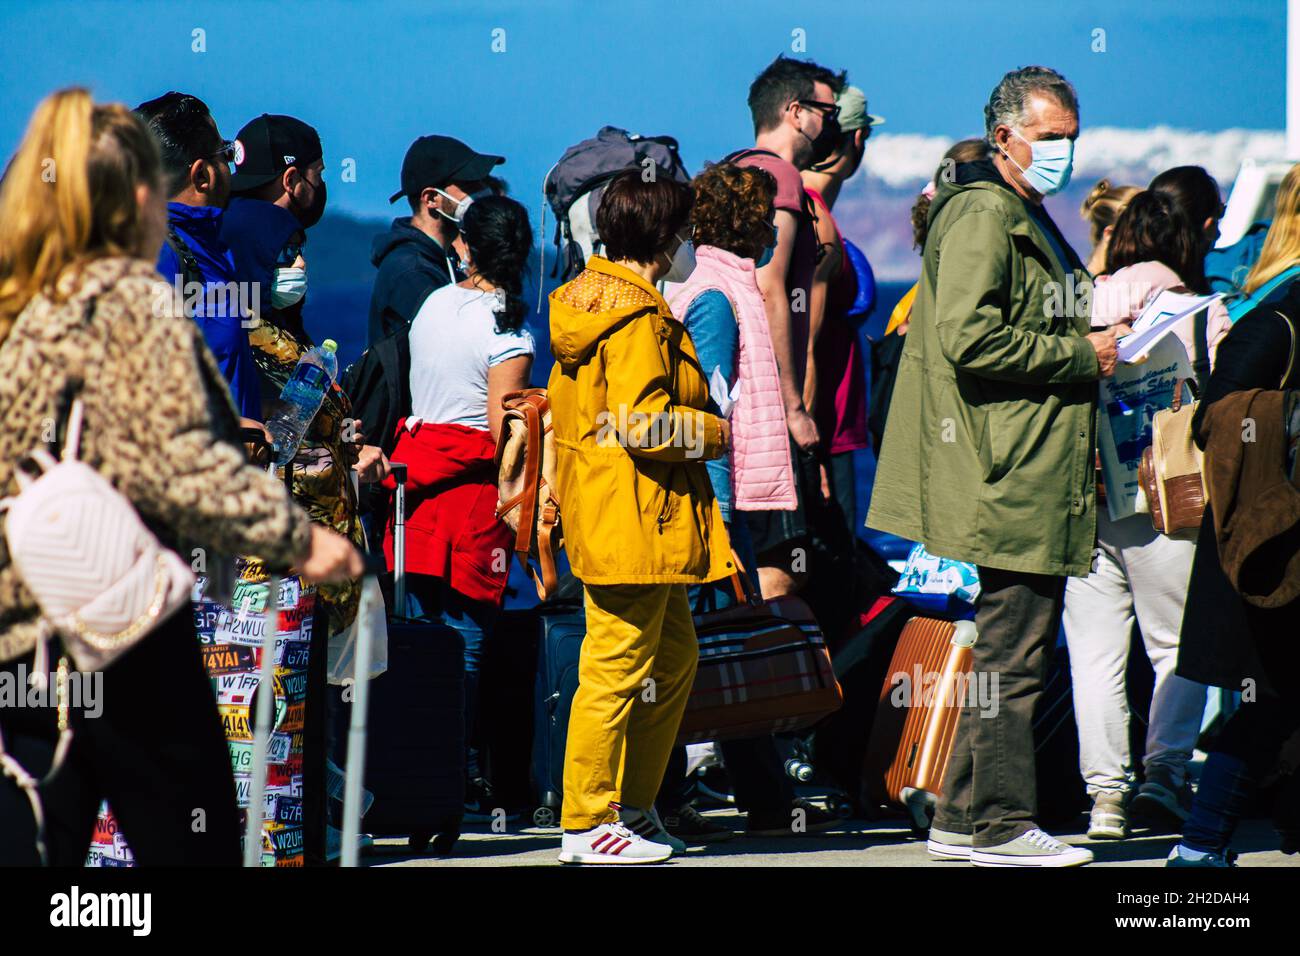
(611, 843)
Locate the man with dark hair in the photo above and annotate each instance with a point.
(441, 176)
(196, 164)
(280, 193)
(794, 111)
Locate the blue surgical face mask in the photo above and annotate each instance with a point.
(1051, 164)
(288, 286)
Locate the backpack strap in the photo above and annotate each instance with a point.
(189, 262)
(547, 580)
(1201, 347)
(1290, 364)
(747, 151)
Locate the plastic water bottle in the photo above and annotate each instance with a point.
(301, 399)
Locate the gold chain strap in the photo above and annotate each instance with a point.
(136, 627)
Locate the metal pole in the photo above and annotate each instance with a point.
(1293, 79)
(399, 540)
(262, 732)
(356, 759)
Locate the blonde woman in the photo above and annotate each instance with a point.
(1279, 259)
(79, 302)
(1101, 209)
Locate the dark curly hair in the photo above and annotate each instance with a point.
(733, 208)
(500, 241)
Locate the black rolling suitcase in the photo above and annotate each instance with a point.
(561, 628)
(505, 724)
(415, 750)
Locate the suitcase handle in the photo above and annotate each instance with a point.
(742, 585)
(399, 473)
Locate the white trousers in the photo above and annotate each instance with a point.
(1138, 574)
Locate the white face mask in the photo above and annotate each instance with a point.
(288, 286)
(682, 263)
(462, 205)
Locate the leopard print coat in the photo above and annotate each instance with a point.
(159, 423)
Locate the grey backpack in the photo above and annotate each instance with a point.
(581, 176)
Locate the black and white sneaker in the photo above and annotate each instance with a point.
(691, 826)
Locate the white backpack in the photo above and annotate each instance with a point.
(102, 579)
(100, 576)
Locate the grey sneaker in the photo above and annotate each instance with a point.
(946, 845)
(1163, 799)
(1182, 856)
(1109, 817)
(1031, 848)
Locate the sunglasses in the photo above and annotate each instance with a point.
(226, 153)
(828, 110)
(290, 253)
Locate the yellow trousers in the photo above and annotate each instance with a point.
(634, 676)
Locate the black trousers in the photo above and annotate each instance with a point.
(315, 744)
(989, 788)
(156, 752)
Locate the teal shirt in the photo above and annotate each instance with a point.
(713, 329)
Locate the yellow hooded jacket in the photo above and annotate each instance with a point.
(627, 396)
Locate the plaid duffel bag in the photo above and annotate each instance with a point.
(763, 669)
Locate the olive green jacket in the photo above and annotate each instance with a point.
(988, 453)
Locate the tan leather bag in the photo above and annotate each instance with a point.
(1170, 471)
(526, 497)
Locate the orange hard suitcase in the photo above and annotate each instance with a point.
(916, 717)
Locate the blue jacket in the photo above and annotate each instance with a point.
(411, 265)
(220, 312)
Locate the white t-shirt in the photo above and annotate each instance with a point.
(454, 341)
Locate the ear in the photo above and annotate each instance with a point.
(859, 137)
(1002, 135)
(198, 179)
(290, 178)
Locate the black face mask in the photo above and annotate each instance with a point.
(316, 208)
(826, 140)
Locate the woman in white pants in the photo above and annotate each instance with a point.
(1139, 574)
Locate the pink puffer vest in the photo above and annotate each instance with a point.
(762, 475)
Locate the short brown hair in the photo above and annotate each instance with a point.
(733, 208)
(638, 218)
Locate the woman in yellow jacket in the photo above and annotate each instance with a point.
(640, 520)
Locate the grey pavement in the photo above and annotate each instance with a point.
(883, 843)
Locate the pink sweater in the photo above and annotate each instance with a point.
(1122, 296)
(762, 474)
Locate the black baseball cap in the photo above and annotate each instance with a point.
(270, 144)
(439, 160)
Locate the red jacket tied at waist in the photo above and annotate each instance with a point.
(452, 531)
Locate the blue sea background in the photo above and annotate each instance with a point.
(339, 311)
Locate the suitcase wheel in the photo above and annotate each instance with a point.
(920, 805)
(544, 817)
(445, 842)
(842, 807)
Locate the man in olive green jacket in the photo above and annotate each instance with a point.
(988, 453)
